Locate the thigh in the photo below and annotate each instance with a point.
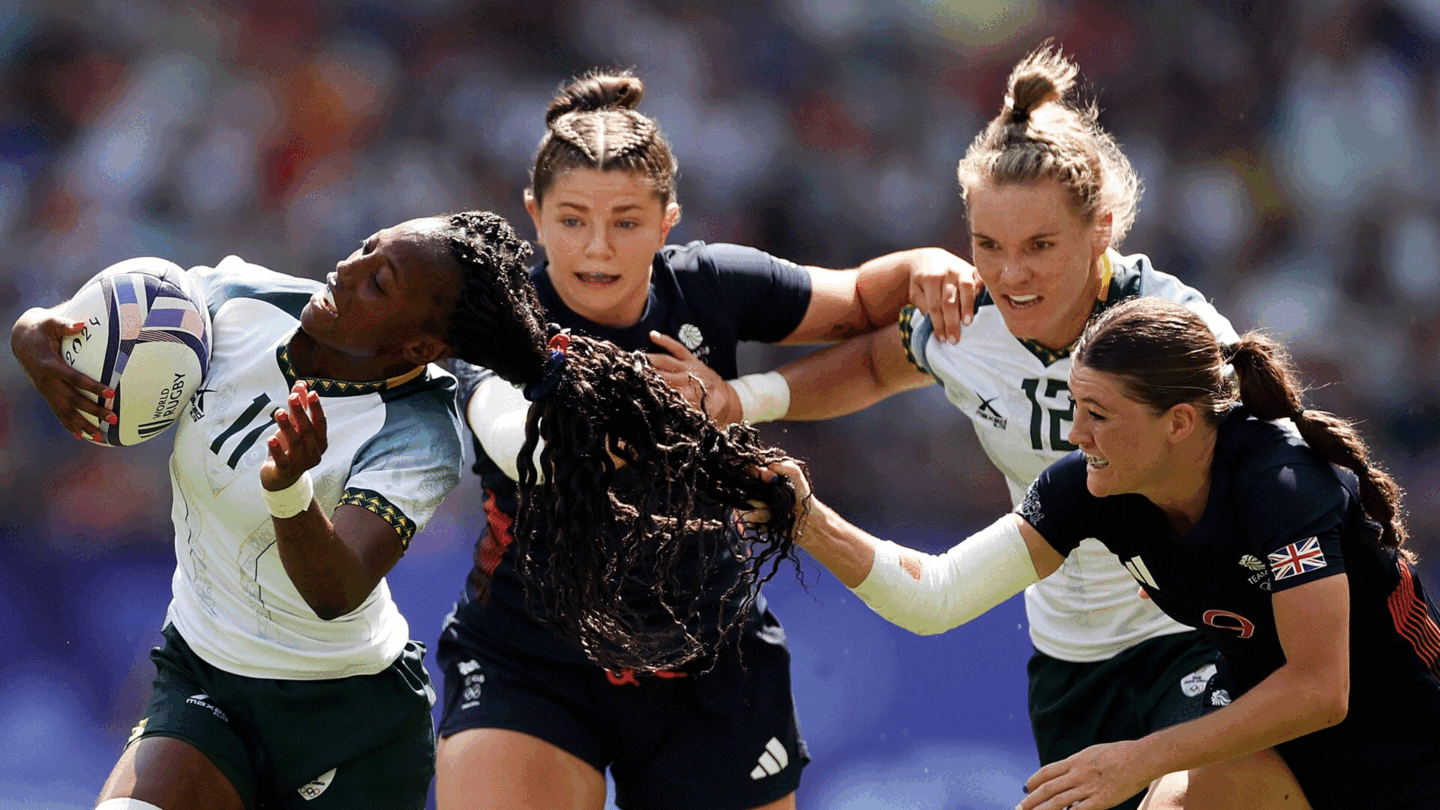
(1261, 781)
(484, 768)
(170, 773)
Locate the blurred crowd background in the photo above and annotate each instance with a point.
(1289, 152)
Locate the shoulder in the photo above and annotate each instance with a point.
(1058, 503)
(234, 278)
(1276, 475)
(721, 259)
(1135, 275)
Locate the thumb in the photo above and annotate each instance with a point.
(670, 345)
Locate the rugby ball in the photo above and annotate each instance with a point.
(147, 338)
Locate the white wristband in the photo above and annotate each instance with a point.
(292, 500)
(763, 397)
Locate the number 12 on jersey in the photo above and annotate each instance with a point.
(1056, 392)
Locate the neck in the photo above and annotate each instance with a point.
(1074, 324)
(1184, 492)
(311, 359)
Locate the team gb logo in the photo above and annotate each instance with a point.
(691, 336)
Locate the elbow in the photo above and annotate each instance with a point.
(1335, 709)
(1329, 704)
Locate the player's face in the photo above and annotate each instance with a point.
(1038, 259)
(600, 231)
(388, 299)
(1126, 444)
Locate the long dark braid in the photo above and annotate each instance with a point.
(595, 541)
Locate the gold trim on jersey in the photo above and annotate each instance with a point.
(374, 502)
(339, 388)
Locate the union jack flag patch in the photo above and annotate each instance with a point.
(1297, 558)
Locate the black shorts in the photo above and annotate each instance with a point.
(361, 742)
(1377, 758)
(1155, 684)
(722, 740)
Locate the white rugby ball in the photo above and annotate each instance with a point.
(146, 337)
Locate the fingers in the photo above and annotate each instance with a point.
(671, 345)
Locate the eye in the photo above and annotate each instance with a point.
(1093, 415)
(367, 246)
(627, 224)
(986, 244)
(1042, 244)
(570, 222)
(375, 282)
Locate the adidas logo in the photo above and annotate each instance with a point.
(772, 761)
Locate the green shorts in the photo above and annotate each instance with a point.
(360, 742)
(1155, 684)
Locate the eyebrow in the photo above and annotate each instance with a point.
(1030, 238)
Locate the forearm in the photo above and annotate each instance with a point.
(1282, 707)
(883, 286)
(331, 576)
(835, 381)
(497, 413)
(923, 593)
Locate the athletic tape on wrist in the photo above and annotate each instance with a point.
(292, 500)
(763, 397)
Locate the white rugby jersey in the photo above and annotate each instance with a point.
(1017, 396)
(393, 448)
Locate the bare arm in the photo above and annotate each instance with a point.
(845, 303)
(334, 565)
(1309, 692)
(851, 376)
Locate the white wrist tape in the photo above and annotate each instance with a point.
(984, 570)
(763, 397)
(292, 500)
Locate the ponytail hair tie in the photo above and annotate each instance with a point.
(1019, 116)
(557, 346)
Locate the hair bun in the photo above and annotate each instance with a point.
(597, 91)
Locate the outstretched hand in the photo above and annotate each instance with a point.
(300, 441)
(759, 514)
(944, 287)
(701, 385)
(36, 341)
(1098, 777)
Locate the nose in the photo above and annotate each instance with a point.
(598, 245)
(1079, 429)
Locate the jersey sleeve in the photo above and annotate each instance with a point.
(468, 377)
(1294, 515)
(235, 278)
(915, 332)
(1059, 506)
(766, 296)
(1170, 288)
(408, 467)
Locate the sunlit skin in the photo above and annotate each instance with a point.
(1131, 449)
(600, 231)
(392, 297)
(1039, 260)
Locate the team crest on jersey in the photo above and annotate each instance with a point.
(1261, 572)
(990, 413)
(1194, 683)
(691, 336)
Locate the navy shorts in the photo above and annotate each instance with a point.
(361, 742)
(726, 739)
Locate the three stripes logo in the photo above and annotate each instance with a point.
(1137, 569)
(151, 428)
(772, 761)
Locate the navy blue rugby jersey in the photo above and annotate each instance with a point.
(1278, 516)
(709, 297)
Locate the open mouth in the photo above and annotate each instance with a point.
(597, 278)
(325, 300)
(1096, 462)
(1022, 301)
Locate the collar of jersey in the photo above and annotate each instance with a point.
(339, 388)
(1050, 356)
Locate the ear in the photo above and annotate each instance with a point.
(670, 219)
(532, 207)
(426, 349)
(1100, 237)
(1183, 421)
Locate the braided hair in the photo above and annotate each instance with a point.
(592, 124)
(1043, 132)
(625, 519)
